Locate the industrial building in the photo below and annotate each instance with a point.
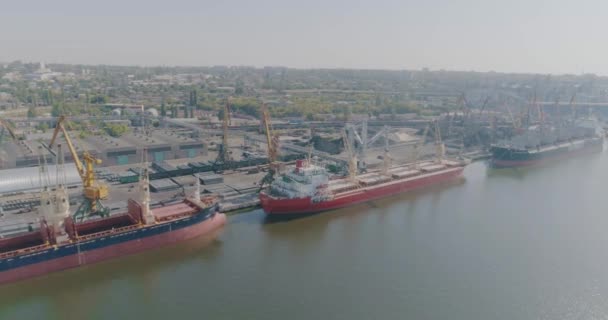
(161, 145)
(28, 179)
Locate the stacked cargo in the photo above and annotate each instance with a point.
(371, 179)
(163, 185)
(210, 178)
(128, 177)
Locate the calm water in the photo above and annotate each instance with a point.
(506, 244)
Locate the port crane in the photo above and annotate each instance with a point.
(272, 140)
(224, 159)
(94, 191)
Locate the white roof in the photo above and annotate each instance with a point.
(28, 179)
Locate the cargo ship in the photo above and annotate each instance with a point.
(540, 144)
(307, 188)
(58, 241)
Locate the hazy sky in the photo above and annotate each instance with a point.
(558, 36)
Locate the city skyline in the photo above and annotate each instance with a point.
(516, 37)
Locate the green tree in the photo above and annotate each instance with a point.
(31, 112)
(98, 99)
(116, 130)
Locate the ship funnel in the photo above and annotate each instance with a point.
(299, 164)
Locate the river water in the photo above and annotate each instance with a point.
(502, 244)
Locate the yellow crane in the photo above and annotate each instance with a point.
(93, 189)
(271, 138)
(272, 141)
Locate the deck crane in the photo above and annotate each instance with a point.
(415, 152)
(94, 190)
(475, 127)
(272, 141)
(539, 110)
(464, 108)
(386, 157)
(224, 159)
(440, 147)
(516, 122)
(352, 156)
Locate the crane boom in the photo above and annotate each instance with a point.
(93, 191)
(438, 143)
(352, 158)
(272, 141)
(60, 127)
(272, 148)
(415, 152)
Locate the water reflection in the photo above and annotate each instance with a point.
(81, 285)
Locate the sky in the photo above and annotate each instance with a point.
(536, 36)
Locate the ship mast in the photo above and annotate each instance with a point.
(439, 144)
(386, 160)
(45, 209)
(352, 157)
(62, 201)
(416, 146)
(309, 155)
(144, 191)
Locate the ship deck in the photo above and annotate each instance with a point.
(395, 180)
(395, 174)
(173, 210)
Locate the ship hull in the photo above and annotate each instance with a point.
(66, 256)
(288, 207)
(505, 158)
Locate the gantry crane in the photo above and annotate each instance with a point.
(272, 140)
(94, 190)
(224, 160)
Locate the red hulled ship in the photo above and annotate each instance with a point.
(59, 242)
(307, 188)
